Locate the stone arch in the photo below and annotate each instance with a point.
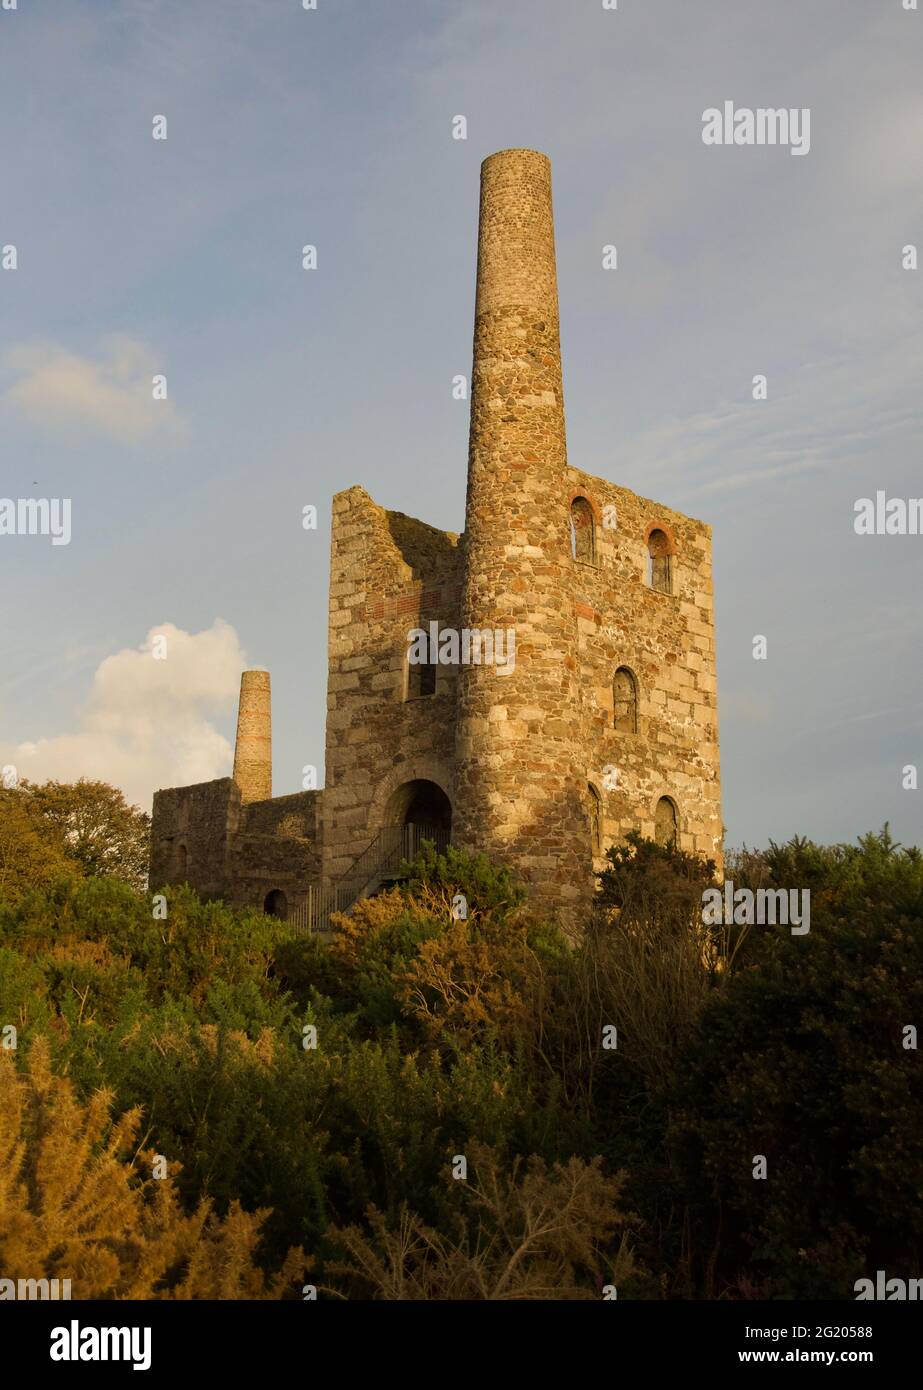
(665, 530)
(625, 700)
(597, 513)
(419, 802)
(666, 821)
(582, 530)
(275, 904)
(423, 769)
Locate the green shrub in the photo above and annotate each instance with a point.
(802, 1058)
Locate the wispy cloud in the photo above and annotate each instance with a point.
(112, 394)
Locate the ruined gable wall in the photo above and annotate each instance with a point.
(388, 574)
(200, 819)
(277, 847)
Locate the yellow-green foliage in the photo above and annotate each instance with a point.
(458, 979)
(57, 831)
(75, 1204)
(30, 858)
(483, 1035)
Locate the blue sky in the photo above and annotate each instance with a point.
(334, 127)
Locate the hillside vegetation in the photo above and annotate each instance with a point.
(431, 1107)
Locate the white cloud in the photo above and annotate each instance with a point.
(111, 395)
(148, 721)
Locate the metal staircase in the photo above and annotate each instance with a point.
(378, 865)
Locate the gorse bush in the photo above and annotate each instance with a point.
(196, 1022)
(75, 1205)
(647, 881)
(451, 1021)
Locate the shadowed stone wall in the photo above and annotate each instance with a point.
(191, 829)
(667, 641)
(277, 848)
(233, 851)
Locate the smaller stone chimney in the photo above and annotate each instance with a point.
(253, 752)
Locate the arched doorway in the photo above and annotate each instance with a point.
(419, 803)
(275, 904)
(422, 811)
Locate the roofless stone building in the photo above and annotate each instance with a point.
(601, 715)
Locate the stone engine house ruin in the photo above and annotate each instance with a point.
(606, 719)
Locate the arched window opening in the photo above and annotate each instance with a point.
(625, 701)
(665, 822)
(594, 806)
(582, 531)
(182, 861)
(659, 563)
(275, 904)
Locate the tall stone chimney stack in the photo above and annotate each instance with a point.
(253, 750)
(518, 783)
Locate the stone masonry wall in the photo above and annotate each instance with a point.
(199, 820)
(519, 771)
(516, 754)
(388, 574)
(276, 847)
(239, 853)
(668, 642)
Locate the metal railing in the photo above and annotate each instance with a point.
(383, 857)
